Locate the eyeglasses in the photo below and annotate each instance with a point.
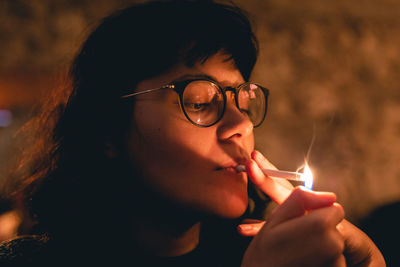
(204, 101)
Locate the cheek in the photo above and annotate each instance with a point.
(164, 138)
(169, 152)
(178, 162)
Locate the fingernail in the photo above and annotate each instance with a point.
(253, 154)
(252, 163)
(259, 156)
(245, 227)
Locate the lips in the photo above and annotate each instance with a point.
(229, 169)
(231, 166)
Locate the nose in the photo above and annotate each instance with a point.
(234, 124)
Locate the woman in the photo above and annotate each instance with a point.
(139, 164)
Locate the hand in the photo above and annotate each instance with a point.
(359, 249)
(263, 250)
(289, 238)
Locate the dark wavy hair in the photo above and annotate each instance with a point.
(68, 182)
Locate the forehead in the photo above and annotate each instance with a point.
(222, 69)
(217, 66)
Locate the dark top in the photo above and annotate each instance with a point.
(382, 226)
(40, 250)
(220, 246)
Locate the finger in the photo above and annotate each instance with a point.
(318, 227)
(359, 248)
(299, 202)
(330, 216)
(275, 190)
(263, 162)
(250, 229)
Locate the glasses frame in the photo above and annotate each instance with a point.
(179, 88)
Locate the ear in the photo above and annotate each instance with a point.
(111, 151)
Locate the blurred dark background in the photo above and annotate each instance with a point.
(332, 68)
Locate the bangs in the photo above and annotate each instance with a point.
(220, 28)
(146, 40)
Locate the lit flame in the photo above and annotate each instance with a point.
(308, 177)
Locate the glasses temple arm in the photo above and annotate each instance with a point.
(148, 91)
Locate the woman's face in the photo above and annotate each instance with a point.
(191, 165)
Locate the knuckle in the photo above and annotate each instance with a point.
(319, 224)
(334, 216)
(339, 210)
(335, 212)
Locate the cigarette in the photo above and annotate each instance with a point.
(292, 176)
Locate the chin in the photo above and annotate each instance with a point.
(231, 202)
(233, 207)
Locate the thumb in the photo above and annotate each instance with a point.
(359, 248)
(277, 189)
(298, 203)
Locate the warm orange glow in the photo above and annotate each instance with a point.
(25, 90)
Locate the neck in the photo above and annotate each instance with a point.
(166, 239)
(160, 226)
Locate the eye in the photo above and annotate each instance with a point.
(244, 102)
(196, 107)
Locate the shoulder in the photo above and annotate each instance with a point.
(23, 250)
(42, 250)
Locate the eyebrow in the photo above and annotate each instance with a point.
(198, 76)
(194, 76)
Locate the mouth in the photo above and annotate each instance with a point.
(233, 167)
(229, 169)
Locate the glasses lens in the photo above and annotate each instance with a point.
(203, 102)
(252, 101)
